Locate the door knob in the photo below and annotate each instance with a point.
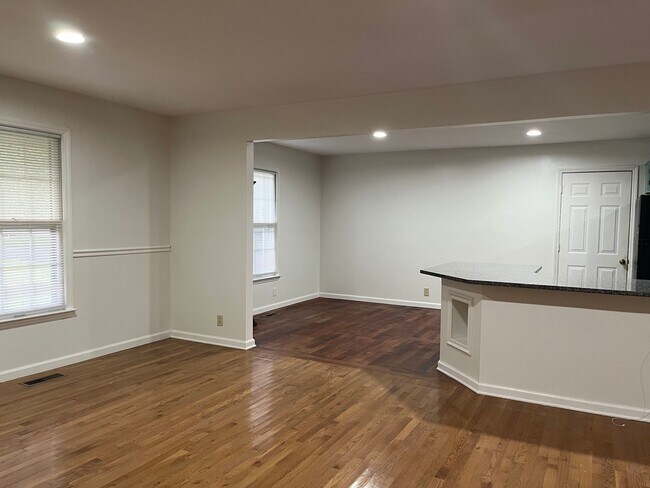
(623, 261)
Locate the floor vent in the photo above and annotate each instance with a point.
(270, 314)
(42, 379)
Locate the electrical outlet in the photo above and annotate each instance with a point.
(426, 292)
(219, 320)
(275, 291)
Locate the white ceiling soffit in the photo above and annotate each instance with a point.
(177, 57)
(592, 128)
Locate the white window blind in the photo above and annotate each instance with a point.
(265, 224)
(31, 224)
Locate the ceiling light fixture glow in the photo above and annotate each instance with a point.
(70, 37)
(379, 134)
(534, 133)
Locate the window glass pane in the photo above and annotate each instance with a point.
(31, 224)
(264, 198)
(31, 269)
(30, 177)
(264, 250)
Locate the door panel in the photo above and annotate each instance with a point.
(607, 277)
(610, 189)
(575, 275)
(580, 189)
(608, 229)
(579, 216)
(594, 228)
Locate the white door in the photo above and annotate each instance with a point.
(594, 228)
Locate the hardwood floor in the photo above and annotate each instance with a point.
(398, 339)
(299, 413)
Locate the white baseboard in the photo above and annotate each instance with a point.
(387, 301)
(35, 368)
(50, 364)
(462, 378)
(285, 303)
(214, 340)
(607, 409)
(579, 405)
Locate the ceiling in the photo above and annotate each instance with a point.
(177, 57)
(574, 129)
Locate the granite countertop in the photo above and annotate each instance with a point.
(523, 276)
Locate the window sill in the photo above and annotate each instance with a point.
(264, 279)
(37, 319)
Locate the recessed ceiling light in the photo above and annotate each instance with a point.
(534, 133)
(379, 134)
(70, 37)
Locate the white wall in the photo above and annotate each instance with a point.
(387, 215)
(298, 201)
(211, 174)
(120, 198)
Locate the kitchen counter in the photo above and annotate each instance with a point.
(525, 276)
(513, 331)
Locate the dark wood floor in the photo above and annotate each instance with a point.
(299, 413)
(398, 339)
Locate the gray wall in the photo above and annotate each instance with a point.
(211, 172)
(120, 198)
(298, 200)
(387, 215)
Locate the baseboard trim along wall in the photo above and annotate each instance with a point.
(35, 368)
(337, 296)
(387, 301)
(50, 364)
(285, 303)
(463, 379)
(607, 409)
(119, 251)
(214, 340)
(60, 362)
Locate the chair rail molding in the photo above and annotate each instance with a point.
(119, 251)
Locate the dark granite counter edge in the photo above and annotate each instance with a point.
(538, 286)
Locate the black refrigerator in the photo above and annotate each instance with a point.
(643, 253)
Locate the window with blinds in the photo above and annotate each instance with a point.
(31, 224)
(265, 224)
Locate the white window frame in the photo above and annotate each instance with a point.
(69, 310)
(276, 275)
